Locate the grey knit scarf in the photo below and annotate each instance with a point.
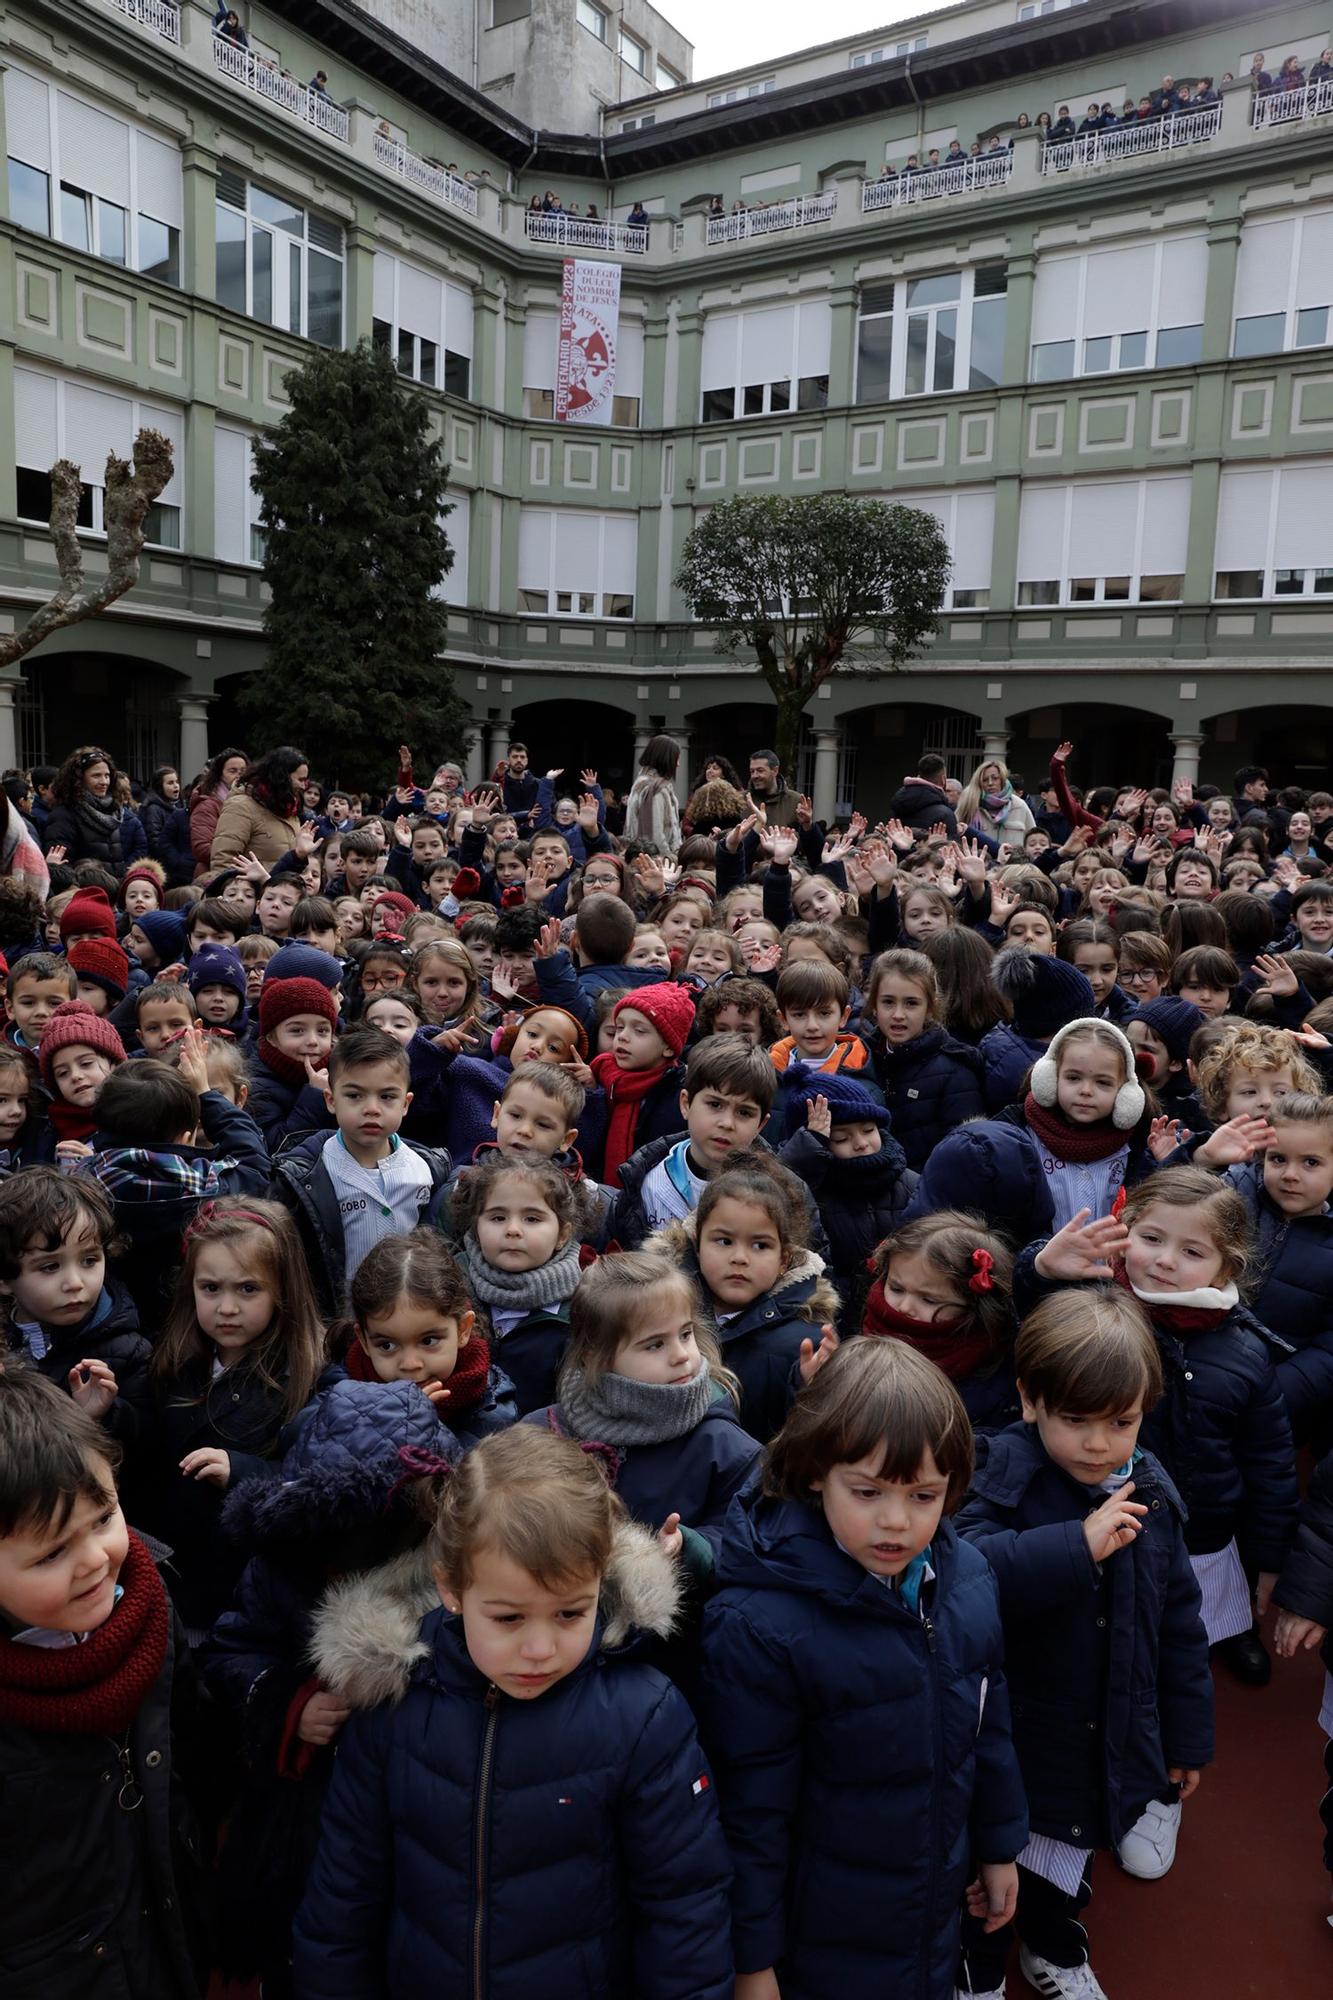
(519, 1291)
(610, 1409)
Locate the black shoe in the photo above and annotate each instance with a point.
(1247, 1658)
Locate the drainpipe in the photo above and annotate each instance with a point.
(916, 99)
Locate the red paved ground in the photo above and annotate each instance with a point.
(1242, 1911)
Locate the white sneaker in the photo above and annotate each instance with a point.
(992, 1992)
(1059, 1982)
(1149, 1848)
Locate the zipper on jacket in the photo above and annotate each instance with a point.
(479, 1850)
(130, 1796)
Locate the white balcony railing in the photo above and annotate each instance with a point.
(266, 80)
(1131, 142)
(159, 15)
(1287, 107)
(581, 232)
(964, 177)
(394, 157)
(798, 213)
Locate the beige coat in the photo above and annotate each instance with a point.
(246, 827)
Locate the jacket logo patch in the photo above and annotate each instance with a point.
(700, 1784)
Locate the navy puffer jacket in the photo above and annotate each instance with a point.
(992, 1168)
(1305, 1587)
(1007, 1057)
(1107, 1662)
(1221, 1429)
(566, 1846)
(861, 1201)
(864, 1757)
(1294, 1300)
(931, 1085)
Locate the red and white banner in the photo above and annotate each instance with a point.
(585, 364)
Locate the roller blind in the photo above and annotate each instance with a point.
(36, 433)
(1304, 501)
(541, 333)
(160, 191)
(96, 423)
(420, 302)
(814, 337)
(1103, 529)
(534, 549)
(718, 363)
(1055, 300)
(1263, 269)
(383, 290)
(457, 526)
(1041, 533)
(1118, 296)
(768, 345)
(1166, 527)
(94, 150)
(1242, 519)
(620, 548)
(970, 543)
(27, 119)
(458, 318)
(171, 423)
(1314, 276)
(231, 473)
(1183, 281)
(577, 551)
(629, 360)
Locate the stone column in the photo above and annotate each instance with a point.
(995, 743)
(499, 747)
(1187, 746)
(685, 737)
(193, 735)
(474, 767)
(9, 748)
(824, 798)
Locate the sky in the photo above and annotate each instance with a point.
(728, 36)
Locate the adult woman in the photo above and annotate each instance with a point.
(207, 795)
(86, 820)
(990, 805)
(651, 810)
(166, 825)
(262, 816)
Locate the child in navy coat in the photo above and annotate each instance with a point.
(1304, 1591)
(841, 1146)
(944, 1284)
(853, 1697)
(1105, 1649)
(931, 1082)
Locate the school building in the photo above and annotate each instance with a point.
(1102, 361)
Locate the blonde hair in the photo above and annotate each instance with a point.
(603, 1314)
(1225, 1213)
(1263, 1051)
(1301, 1107)
(529, 1495)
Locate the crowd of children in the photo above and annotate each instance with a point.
(590, 1420)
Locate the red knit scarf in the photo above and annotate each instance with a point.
(96, 1688)
(71, 1121)
(1182, 1320)
(625, 1090)
(951, 1344)
(467, 1384)
(1078, 1145)
(288, 1069)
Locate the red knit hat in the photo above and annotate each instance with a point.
(280, 999)
(145, 871)
(103, 962)
(88, 911)
(668, 1007)
(402, 906)
(74, 1024)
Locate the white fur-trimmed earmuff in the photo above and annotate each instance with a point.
(1129, 1099)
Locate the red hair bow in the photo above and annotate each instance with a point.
(981, 1279)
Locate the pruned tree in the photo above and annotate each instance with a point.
(352, 486)
(132, 486)
(801, 582)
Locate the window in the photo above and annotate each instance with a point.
(864, 57)
(424, 323)
(1272, 531)
(541, 340)
(453, 586)
(61, 417)
(967, 518)
(573, 564)
(665, 77)
(593, 18)
(277, 263)
(931, 336)
(505, 11)
(1109, 310)
(1116, 541)
(766, 362)
(740, 92)
(639, 124)
(91, 181)
(237, 535)
(1284, 284)
(633, 52)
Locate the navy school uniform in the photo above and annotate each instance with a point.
(1006, 1057)
(284, 1110)
(863, 1752)
(993, 1168)
(110, 1333)
(860, 1201)
(533, 1353)
(1294, 1300)
(931, 1085)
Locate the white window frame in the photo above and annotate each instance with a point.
(1269, 568)
(629, 45)
(1289, 311)
(55, 182)
(1152, 330)
(1064, 597)
(664, 77)
(740, 93)
(143, 416)
(555, 589)
(281, 283)
(252, 533)
(594, 20)
(794, 408)
(862, 58)
(902, 315)
(442, 348)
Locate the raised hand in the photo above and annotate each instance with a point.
(972, 859)
(1115, 1524)
(402, 833)
(736, 834)
(454, 1040)
(1277, 975)
(1164, 1135)
(811, 1358)
(55, 855)
(587, 813)
(782, 844)
(537, 881)
(649, 874)
(1083, 1249)
(192, 1060)
(818, 1117)
(902, 838)
(548, 940)
(1062, 753)
(589, 778)
(558, 772)
(253, 869)
(805, 813)
(1003, 902)
(93, 1387)
(1236, 1141)
(761, 957)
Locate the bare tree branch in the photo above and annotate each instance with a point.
(130, 491)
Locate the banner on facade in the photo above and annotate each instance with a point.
(585, 366)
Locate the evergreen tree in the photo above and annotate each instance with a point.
(352, 486)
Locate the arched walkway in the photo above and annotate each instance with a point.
(573, 735)
(130, 706)
(1113, 744)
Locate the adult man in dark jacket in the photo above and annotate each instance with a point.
(768, 789)
(518, 786)
(920, 802)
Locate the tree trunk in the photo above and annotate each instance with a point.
(791, 708)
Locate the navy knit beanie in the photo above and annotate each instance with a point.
(849, 1103)
(1173, 1021)
(303, 961)
(217, 965)
(1043, 993)
(165, 931)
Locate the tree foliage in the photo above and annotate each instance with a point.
(352, 492)
(129, 491)
(799, 582)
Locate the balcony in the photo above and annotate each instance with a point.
(158, 16)
(798, 213)
(907, 190)
(1154, 135)
(266, 80)
(394, 157)
(1288, 107)
(581, 232)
